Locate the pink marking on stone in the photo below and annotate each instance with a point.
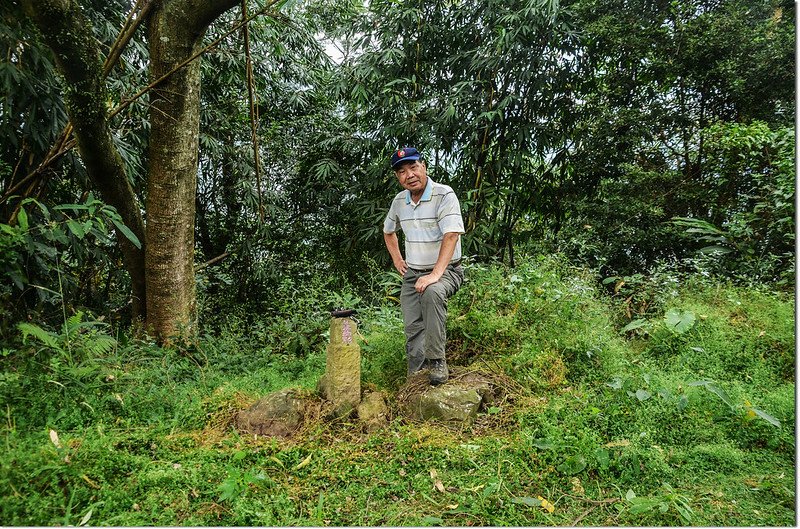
(347, 336)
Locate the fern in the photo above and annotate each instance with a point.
(74, 321)
(76, 349)
(46, 337)
(96, 344)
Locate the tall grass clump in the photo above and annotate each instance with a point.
(545, 322)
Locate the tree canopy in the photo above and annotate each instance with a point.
(626, 134)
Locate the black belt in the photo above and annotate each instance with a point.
(424, 270)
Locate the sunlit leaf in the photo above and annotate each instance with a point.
(85, 519)
(766, 416)
(679, 322)
(572, 465)
(635, 324)
(126, 232)
(22, 219)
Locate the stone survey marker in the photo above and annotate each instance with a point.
(283, 413)
(341, 384)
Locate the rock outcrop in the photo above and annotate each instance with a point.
(458, 400)
(280, 414)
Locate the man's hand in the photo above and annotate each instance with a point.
(423, 282)
(445, 254)
(393, 245)
(401, 266)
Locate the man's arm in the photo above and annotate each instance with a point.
(446, 251)
(393, 245)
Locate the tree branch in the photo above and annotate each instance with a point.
(67, 32)
(210, 262)
(63, 145)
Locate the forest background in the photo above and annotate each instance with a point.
(186, 196)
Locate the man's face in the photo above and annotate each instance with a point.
(412, 175)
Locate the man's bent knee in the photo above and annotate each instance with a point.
(435, 293)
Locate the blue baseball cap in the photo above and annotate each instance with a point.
(403, 155)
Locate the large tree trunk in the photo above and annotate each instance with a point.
(164, 267)
(175, 33)
(68, 33)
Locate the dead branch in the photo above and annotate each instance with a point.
(212, 261)
(253, 116)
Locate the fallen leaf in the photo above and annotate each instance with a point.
(546, 505)
(89, 481)
(437, 483)
(304, 462)
(85, 518)
(577, 488)
(616, 444)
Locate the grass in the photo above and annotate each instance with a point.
(611, 428)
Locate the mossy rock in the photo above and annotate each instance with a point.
(460, 399)
(373, 412)
(280, 414)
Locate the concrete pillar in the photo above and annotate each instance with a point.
(342, 385)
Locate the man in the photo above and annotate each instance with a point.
(430, 216)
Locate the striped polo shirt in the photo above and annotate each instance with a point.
(425, 223)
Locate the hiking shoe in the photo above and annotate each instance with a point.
(438, 371)
(425, 365)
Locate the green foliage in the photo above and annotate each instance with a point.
(696, 130)
(697, 133)
(238, 482)
(666, 163)
(473, 100)
(752, 167)
(747, 410)
(679, 322)
(64, 252)
(72, 355)
(33, 111)
(664, 502)
(541, 320)
(153, 445)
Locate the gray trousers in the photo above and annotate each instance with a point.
(425, 315)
